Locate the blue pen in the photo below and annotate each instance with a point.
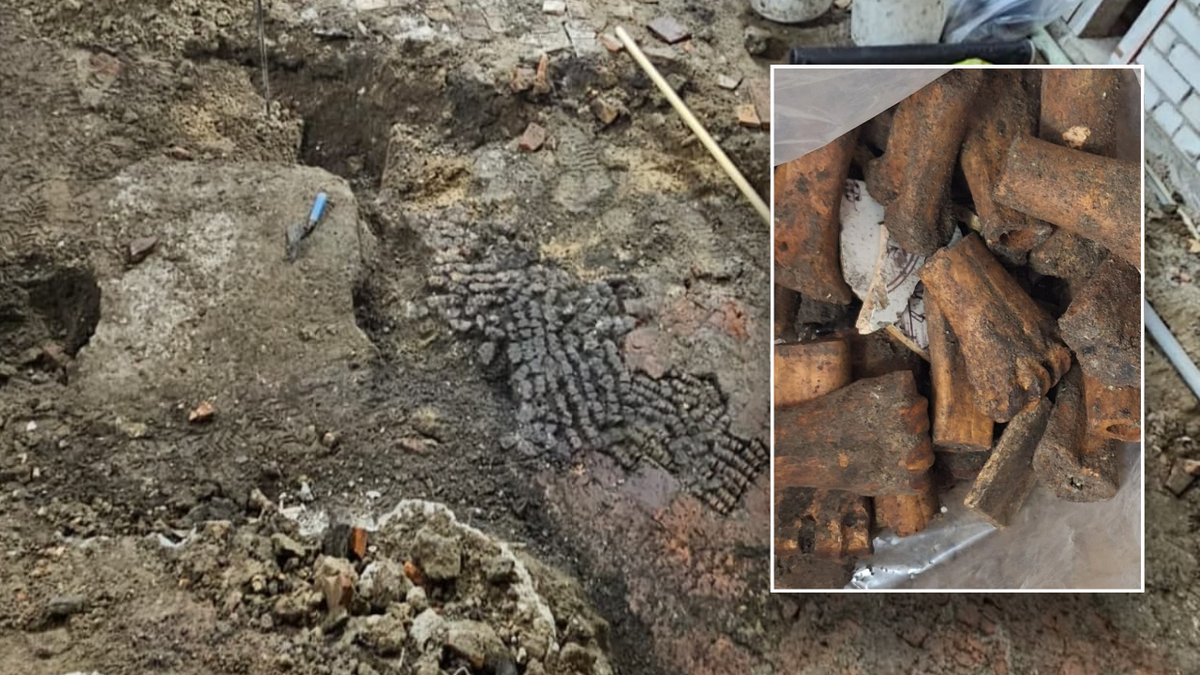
(298, 232)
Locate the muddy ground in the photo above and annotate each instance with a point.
(567, 348)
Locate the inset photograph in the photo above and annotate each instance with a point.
(957, 361)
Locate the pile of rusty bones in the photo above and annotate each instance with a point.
(1033, 317)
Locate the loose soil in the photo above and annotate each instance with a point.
(386, 363)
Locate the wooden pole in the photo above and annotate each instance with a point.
(690, 120)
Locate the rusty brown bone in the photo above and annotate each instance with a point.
(1075, 465)
(808, 199)
(927, 133)
(1011, 346)
(958, 424)
(1113, 412)
(1006, 479)
(1079, 110)
(1006, 108)
(832, 524)
(1095, 197)
(1103, 325)
(870, 437)
(810, 370)
(907, 515)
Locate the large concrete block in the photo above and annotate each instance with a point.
(216, 311)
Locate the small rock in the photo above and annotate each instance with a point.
(335, 578)
(486, 353)
(285, 547)
(291, 610)
(331, 439)
(669, 29)
(604, 110)
(756, 40)
(531, 141)
(428, 665)
(473, 640)
(428, 628)
(554, 7)
(428, 422)
(179, 153)
(63, 606)
(417, 599)
(140, 248)
(134, 430)
(968, 615)
(499, 571)
(385, 634)
(523, 79)
(440, 557)
(202, 413)
(842, 4)
(417, 446)
(1183, 474)
(610, 42)
(914, 634)
(728, 82)
(382, 583)
(305, 493)
(747, 116)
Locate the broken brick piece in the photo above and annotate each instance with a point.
(831, 524)
(907, 515)
(810, 370)
(669, 29)
(1010, 345)
(358, 543)
(927, 134)
(1075, 465)
(1113, 412)
(747, 116)
(958, 424)
(1103, 325)
(533, 138)
(1088, 195)
(870, 438)
(1183, 474)
(606, 111)
(1006, 479)
(1007, 108)
(808, 199)
(202, 413)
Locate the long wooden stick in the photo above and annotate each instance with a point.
(694, 124)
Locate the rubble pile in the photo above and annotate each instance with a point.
(1018, 283)
(558, 340)
(420, 593)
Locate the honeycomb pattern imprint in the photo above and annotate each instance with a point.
(560, 337)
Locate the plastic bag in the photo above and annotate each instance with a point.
(996, 20)
(1052, 544)
(813, 106)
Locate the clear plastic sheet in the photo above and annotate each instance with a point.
(813, 106)
(996, 20)
(1052, 544)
